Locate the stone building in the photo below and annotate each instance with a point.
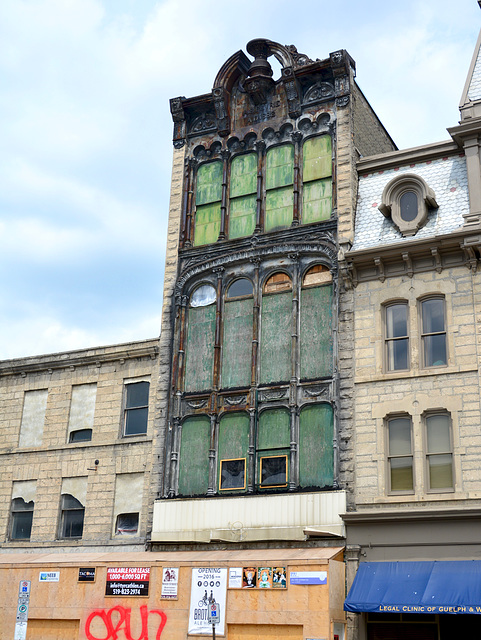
(413, 276)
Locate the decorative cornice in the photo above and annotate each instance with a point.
(406, 156)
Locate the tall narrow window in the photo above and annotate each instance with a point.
(21, 519)
(243, 192)
(317, 181)
(316, 452)
(273, 439)
(400, 459)
(72, 517)
(127, 503)
(136, 410)
(316, 323)
(208, 202)
(33, 418)
(397, 340)
(200, 339)
(276, 329)
(237, 342)
(82, 409)
(194, 456)
(408, 206)
(279, 187)
(433, 334)
(439, 452)
(233, 447)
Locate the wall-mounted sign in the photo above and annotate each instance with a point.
(127, 581)
(49, 576)
(264, 577)
(170, 581)
(279, 578)
(308, 577)
(86, 574)
(208, 585)
(249, 577)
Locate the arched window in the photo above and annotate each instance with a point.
(208, 201)
(276, 329)
(397, 336)
(237, 338)
(316, 453)
(194, 456)
(317, 180)
(243, 192)
(279, 187)
(433, 332)
(408, 206)
(400, 456)
(200, 339)
(316, 323)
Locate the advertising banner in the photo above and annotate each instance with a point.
(170, 581)
(127, 581)
(208, 585)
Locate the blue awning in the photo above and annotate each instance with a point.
(416, 587)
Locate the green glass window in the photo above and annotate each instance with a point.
(200, 339)
(316, 324)
(279, 187)
(208, 201)
(273, 441)
(316, 453)
(194, 456)
(237, 340)
(275, 348)
(317, 179)
(232, 454)
(243, 195)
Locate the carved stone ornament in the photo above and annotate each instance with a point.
(233, 401)
(204, 122)
(221, 111)
(317, 391)
(272, 396)
(197, 404)
(292, 92)
(300, 59)
(259, 83)
(319, 91)
(342, 101)
(178, 116)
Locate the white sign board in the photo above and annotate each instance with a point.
(20, 631)
(208, 584)
(308, 577)
(170, 581)
(49, 576)
(235, 578)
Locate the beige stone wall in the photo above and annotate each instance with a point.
(454, 388)
(55, 459)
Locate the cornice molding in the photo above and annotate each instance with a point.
(407, 156)
(409, 515)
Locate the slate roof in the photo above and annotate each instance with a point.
(446, 176)
(474, 90)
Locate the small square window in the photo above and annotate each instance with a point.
(273, 471)
(81, 435)
(136, 408)
(232, 474)
(127, 524)
(21, 519)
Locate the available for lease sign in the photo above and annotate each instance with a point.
(207, 584)
(127, 581)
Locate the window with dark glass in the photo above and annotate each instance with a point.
(232, 474)
(127, 524)
(439, 452)
(136, 408)
(408, 206)
(82, 435)
(21, 519)
(273, 471)
(233, 446)
(400, 458)
(273, 442)
(71, 517)
(397, 339)
(433, 334)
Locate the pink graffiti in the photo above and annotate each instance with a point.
(117, 619)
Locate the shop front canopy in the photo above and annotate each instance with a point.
(417, 587)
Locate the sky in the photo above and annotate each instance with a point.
(86, 134)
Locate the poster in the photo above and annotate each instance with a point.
(127, 581)
(170, 582)
(249, 577)
(279, 579)
(207, 584)
(264, 577)
(235, 578)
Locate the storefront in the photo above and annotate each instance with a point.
(262, 593)
(419, 600)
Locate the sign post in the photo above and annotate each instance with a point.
(214, 616)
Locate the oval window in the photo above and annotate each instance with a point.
(203, 296)
(408, 205)
(241, 287)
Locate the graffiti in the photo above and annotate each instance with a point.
(117, 620)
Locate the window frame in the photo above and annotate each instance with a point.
(126, 409)
(62, 518)
(389, 340)
(132, 534)
(389, 456)
(267, 487)
(427, 455)
(13, 513)
(221, 489)
(424, 334)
